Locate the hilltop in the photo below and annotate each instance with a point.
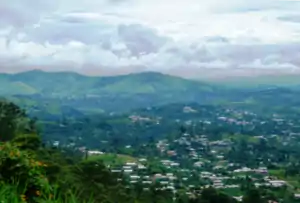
(59, 93)
(90, 94)
(277, 80)
(70, 84)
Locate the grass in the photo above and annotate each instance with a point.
(293, 181)
(232, 191)
(10, 88)
(278, 173)
(248, 139)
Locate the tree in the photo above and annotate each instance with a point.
(28, 142)
(182, 129)
(22, 167)
(253, 195)
(92, 178)
(13, 121)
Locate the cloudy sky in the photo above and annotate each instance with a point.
(192, 38)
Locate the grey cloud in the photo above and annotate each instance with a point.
(73, 19)
(290, 18)
(132, 47)
(21, 13)
(240, 6)
(61, 30)
(172, 55)
(139, 39)
(247, 53)
(217, 39)
(118, 1)
(193, 52)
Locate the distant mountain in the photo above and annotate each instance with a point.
(106, 93)
(60, 93)
(280, 80)
(70, 84)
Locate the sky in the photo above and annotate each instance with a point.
(189, 38)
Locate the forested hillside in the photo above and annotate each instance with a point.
(33, 172)
(174, 153)
(84, 93)
(149, 101)
(65, 93)
(182, 144)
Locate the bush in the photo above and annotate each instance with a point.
(21, 168)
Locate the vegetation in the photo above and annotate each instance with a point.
(136, 90)
(31, 172)
(185, 148)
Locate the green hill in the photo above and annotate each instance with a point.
(9, 87)
(98, 94)
(67, 92)
(259, 81)
(66, 84)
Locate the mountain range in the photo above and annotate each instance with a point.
(70, 84)
(59, 92)
(98, 94)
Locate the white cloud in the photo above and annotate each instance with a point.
(161, 35)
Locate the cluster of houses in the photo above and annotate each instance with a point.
(178, 175)
(197, 162)
(135, 172)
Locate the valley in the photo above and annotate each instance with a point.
(149, 101)
(180, 137)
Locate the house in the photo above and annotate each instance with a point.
(239, 199)
(128, 171)
(95, 152)
(261, 170)
(134, 177)
(131, 164)
(277, 183)
(141, 167)
(244, 169)
(116, 171)
(198, 164)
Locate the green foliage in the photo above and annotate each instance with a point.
(259, 81)
(112, 159)
(47, 83)
(21, 168)
(30, 172)
(34, 172)
(253, 195)
(83, 92)
(27, 142)
(12, 121)
(211, 195)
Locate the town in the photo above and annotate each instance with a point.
(197, 157)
